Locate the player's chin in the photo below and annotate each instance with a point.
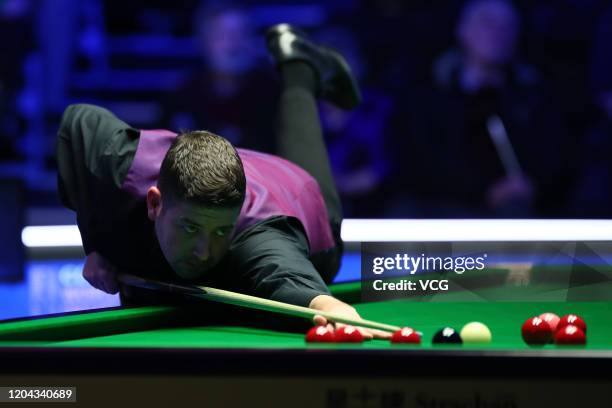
(192, 273)
(191, 276)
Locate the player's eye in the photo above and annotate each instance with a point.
(190, 229)
(220, 232)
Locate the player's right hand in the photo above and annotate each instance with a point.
(100, 273)
(330, 304)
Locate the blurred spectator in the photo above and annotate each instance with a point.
(557, 38)
(356, 139)
(447, 162)
(593, 195)
(232, 93)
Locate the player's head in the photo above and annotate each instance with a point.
(197, 201)
(488, 31)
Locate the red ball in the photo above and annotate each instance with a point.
(320, 334)
(348, 334)
(536, 331)
(406, 335)
(552, 320)
(574, 320)
(570, 335)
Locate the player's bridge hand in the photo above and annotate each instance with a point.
(332, 305)
(100, 273)
(368, 334)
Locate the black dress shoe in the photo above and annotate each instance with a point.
(336, 81)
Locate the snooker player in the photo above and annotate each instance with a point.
(192, 208)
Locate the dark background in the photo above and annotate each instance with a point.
(416, 148)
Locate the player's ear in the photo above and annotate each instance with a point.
(154, 202)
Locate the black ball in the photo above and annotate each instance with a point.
(447, 335)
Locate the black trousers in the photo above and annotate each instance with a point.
(300, 140)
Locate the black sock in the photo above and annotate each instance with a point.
(299, 74)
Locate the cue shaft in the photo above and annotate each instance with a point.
(253, 302)
(239, 299)
(133, 280)
(499, 136)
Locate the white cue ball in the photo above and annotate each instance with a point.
(475, 333)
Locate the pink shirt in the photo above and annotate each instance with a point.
(275, 187)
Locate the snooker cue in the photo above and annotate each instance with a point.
(253, 302)
(507, 155)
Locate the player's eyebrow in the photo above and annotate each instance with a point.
(189, 221)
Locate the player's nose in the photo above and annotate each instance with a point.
(202, 249)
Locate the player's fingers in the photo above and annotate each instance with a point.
(89, 279)
(87, 275)
(367, 334)
(101, 285)
(111, 286)
(107, 279)
(93, 281)
(330, 327)
(364, 332)
(106, 283)
(379, 334)
(319, 320)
